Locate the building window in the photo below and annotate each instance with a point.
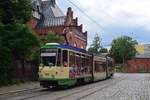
(82, 47)
(75, 44)
(38, 8)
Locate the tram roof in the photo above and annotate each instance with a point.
(63, 46)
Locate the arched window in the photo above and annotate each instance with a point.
(75, 44)
(82, 47)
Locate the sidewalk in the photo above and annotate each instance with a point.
(19, 87)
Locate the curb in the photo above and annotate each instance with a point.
(16, 91)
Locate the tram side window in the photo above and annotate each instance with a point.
(99, 67)
(96, 66)
(65, 58)
(71, 59)
(59, 58)
(104, 65)
(78, 61)
(84, 63)
(90, 63)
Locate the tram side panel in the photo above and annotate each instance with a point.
(110, 67)
(83, 68)
(99, 69)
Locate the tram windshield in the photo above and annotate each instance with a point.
(48, 57)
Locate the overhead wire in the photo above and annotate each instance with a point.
(89, 17)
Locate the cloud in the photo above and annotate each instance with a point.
(117, 17)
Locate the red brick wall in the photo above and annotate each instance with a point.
(44, 31)
(32, 23)
(138, 65)
(74, 39)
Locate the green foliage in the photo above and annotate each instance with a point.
(103, 50)
(123, 49)
(20, 40)
(96, 45)
(17, 41)
(51, 38)
(119, 69)
(6, 70)
(12, 10)
(35, 54)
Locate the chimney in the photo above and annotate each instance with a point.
(85, 33)
(53, 2)
(76, 21)
(81, 27)
(70, 12)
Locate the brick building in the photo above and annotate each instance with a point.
(48, 17)
(141, 63)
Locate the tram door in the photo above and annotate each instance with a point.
(59, 58)
(65, 58)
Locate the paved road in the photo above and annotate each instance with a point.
(121, 87)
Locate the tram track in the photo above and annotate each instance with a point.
(86, 95)
(17, 91)
(97, 90)
(37, 95)
(7, 95)
(63, 94)
(48, 92)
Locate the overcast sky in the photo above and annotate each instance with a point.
(117, 17)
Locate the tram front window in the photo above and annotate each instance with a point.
(48, 59)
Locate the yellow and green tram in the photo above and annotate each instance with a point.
(64, 65)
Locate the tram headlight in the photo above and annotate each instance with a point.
(41, 65)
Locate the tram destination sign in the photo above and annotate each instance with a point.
(48, 50)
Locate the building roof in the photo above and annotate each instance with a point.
(35, 3)
(50, 9)
(49, 22)
(51, 15)
(79, 33)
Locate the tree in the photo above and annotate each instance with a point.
(103, 50)
(51, 38)
(16, 39)
(123, 49)
(96, 45)
(19, 40)
(12, 10)
(6, 69)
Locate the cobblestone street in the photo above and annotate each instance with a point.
(121, 87)
(133, 87)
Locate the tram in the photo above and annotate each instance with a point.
(64, 65)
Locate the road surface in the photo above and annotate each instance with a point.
(121, 87)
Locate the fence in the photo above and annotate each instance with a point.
(28, 72)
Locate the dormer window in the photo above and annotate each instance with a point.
(53, 2)
(38, 8)
(82, 47)
(75, 45)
